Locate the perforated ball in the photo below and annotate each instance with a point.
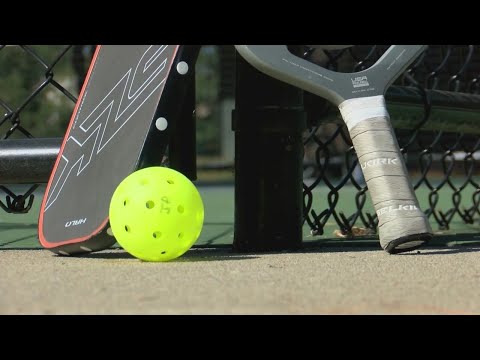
(156, 214)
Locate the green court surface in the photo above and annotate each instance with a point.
(20, 231)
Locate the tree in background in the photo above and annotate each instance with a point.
(22, 74)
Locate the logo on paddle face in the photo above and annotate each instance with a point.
(75, 222)
(92, 130)
(360, 81)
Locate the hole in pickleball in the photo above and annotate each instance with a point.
(164, 252)
(180, 235)
(150, 204)
(125, 202)
(180, 209)
(171, 182)
(157, 234)
(127, 228)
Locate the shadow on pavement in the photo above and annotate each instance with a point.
(443, 250)
(194, 255)
(217, 252)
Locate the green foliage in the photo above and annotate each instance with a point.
(21, 75)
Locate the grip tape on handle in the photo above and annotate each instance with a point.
(402, 225)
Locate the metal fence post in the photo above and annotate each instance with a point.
(268, 121)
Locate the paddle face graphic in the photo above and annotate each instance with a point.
(121, 118)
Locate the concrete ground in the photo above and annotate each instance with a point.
(321, 280)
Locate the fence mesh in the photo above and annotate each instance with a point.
(38, 89)
(434, 108)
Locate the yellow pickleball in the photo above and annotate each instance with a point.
(156, 214)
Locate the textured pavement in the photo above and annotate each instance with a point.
(317, 281)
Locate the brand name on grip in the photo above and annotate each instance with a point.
(396, 208)
(75, 222)
(379, 161)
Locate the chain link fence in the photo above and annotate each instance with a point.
(435, 109)
(38, 89)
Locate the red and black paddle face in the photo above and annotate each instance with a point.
(121, 117)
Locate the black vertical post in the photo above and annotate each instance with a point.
(268, 121)
(183, 141)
